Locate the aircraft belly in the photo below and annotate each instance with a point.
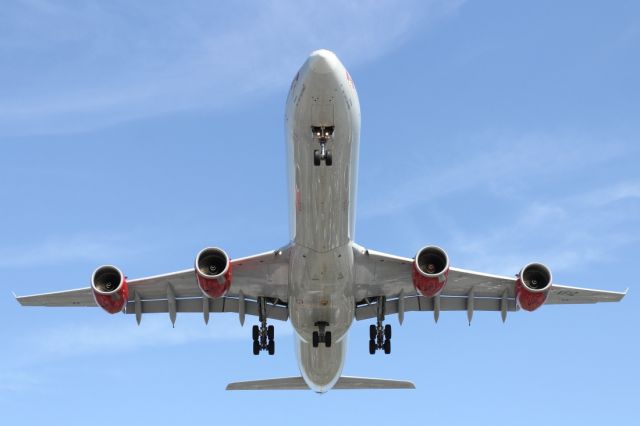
(321, 289)
(321, 367)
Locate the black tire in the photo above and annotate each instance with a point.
(316, 157)
(327, 339)
(271, 347)
(373, 331)
(372, 346)
(255, 333)
(315, 339)
(328, 158)
(387, 331)
(271, 332)
(256, 347)
(387, 347)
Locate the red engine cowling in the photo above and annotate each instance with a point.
(213, 272)
(110, 289)
(430, 270)
(532, 286)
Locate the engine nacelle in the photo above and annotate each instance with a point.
(110, 289)
(430, 270)
(532, 286)
(213, 272)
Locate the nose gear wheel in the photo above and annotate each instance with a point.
(323, 134)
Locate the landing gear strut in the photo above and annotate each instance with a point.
(321, 336)
(379, 334)
(263, 335)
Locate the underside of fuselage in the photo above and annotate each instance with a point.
(322, 128)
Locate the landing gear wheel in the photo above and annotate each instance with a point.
(316, 157)
(255, 332)
(328, 158)
(387, 331)
(387, 347)
(256, 347)
(372, 331)
(327, 339)
(271, 347)
(316, 339)
(270, 332)
(372, 346)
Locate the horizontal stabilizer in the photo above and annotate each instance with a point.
(298, 383)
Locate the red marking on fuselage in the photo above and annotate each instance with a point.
(350, 80)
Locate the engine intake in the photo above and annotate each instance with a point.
(213, 272)
(430, 270)
(110, 289)
(532, 286)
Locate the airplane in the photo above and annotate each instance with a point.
(321, 280)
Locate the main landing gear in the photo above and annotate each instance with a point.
(379, 335)
(263, 335)
(321, 336)
(322, 134)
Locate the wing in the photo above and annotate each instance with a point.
(264, 275)
(380, 274)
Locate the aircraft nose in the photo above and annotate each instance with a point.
(321, 61)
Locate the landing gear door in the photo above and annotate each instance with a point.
(322, 114)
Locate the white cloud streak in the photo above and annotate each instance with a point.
(56, 250)
(108, 337)
(96, 63)
(544, 222)
(78, 340)
(506, 167)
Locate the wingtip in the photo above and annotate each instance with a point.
(17, 298)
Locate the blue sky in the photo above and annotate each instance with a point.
(136, 134)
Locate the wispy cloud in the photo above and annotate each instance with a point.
(55, 250)
(504, 165)
(79, 66)
(542, 189)
(14, 381)
(619, 192)
(558, 233)
(78, 340)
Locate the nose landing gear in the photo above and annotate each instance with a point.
(379, 335)
(263, 335)
(322, 134)
(321, 336)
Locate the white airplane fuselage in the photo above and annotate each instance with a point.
(322, 212)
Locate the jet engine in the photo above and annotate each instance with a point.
(532, 286)
(213, 272)
(430, 270)
(110, 289)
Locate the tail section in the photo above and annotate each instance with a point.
(297, 383)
